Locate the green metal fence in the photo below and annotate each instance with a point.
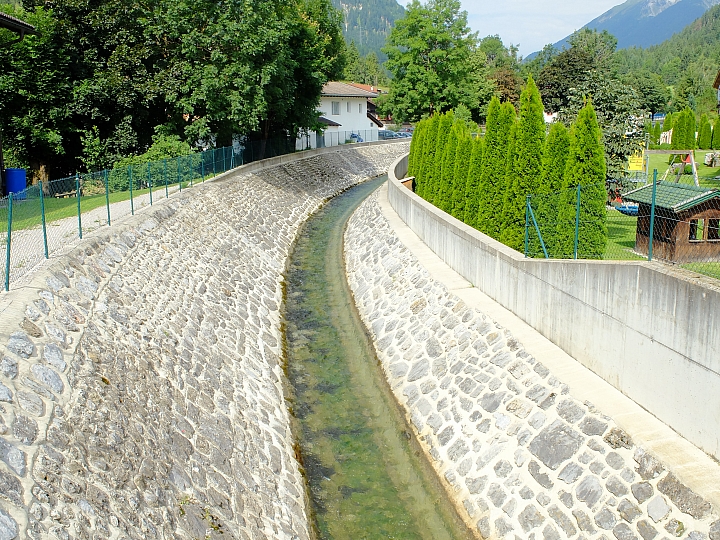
(643, 219)
(44, 218)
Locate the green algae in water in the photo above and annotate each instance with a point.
(367, 477)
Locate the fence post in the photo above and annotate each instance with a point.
(132, 206)
(577, 223)
(165, 174)
(527, 224)
(214, 161)
(107, 193)
(77, 196)
(178, 173)
(232, 157)
(191, 172)
(42, 215)
(9, 238)
(149, 175)
(652, 216)
(202, 165)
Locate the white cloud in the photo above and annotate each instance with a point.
(532, 24)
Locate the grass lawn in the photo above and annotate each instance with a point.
(26, 213)
(706, 174)
(621, 237)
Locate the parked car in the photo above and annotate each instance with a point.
(384, 134)
(355, 137)
(404, 134)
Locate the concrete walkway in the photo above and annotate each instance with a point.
(695, 468)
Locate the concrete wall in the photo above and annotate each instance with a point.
(650, 330)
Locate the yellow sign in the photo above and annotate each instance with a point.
(636, 163)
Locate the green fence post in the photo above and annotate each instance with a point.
(202, 165)
(577, 223)
(214, 158)
(224, 160)
(178, 173)
(132, 205)
(191, 172)
(107, 193)
(165, 174)
(232, 157)
(149, 175)
(42, 215)
(77, 196)
(9, 238)
(527, 224)
(652, 215)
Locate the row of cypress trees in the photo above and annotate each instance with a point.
(485, 181)
(685, 128)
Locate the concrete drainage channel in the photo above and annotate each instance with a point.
(366, 474)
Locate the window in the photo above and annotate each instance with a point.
(360, 108)
(348, 107)
(713, 229)
(697, 227)
(336, 107)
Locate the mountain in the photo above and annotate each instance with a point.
(368, 23)
(642, 23)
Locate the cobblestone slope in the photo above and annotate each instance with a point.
(142, 390)
(521, 458)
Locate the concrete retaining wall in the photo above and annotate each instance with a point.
(141, 381)
(650, 330)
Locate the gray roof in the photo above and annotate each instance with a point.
(338, 89)
(671, 196)
(16, 25)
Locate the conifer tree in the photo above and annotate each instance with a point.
(657, 131)
(490, 193)
(668, 123)
(545, 204)
(472, 184)
(416, 151)
(585, 167)
(435, 167)
(679, 128)
(428, 157)
(463, 156)
(525, 165)
(704, 140)
(716, 135)
(444, 195)
(414, 143)
(689, 138)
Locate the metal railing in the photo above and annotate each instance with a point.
(44, 218)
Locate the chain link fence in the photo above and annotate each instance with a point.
(44, 218)
(674, 222)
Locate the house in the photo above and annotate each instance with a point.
(687, 222)
(345, 112)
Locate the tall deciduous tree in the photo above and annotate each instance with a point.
(585, 167)
(492, 181)
(430, 55)
(525, 165)
(472, 184)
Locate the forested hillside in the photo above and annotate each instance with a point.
(688, 62)
(368, 23)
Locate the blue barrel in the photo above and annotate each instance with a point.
(15, 182)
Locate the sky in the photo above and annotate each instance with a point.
(531, 24)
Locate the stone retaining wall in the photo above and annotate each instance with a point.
(519, 456)
(141, 380)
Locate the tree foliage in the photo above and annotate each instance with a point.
(704, 139)
(492, 180)
(524, 165)
(463, 156)
(557, 147)
(585, 167)
(472, 183)
(110, 75)
(432, 58)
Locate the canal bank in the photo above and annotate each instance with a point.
(367, 476)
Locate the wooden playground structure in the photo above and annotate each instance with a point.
(676, 167)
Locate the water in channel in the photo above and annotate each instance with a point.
(367, 476)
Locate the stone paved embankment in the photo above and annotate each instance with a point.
(141, 380)
(519, 456)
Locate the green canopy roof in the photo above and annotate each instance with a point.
(671, 196)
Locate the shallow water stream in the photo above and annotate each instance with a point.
(367, 475)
